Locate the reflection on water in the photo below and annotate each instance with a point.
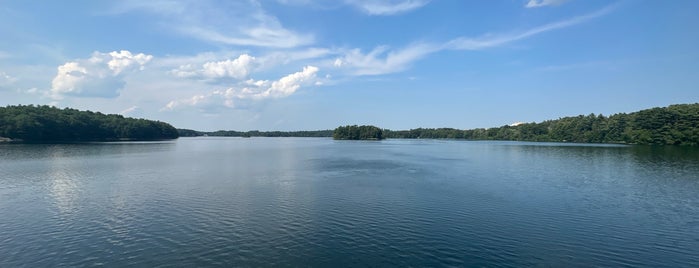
(319, 202)
(64, 191)
(10, 152)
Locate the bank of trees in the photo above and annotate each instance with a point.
(50, 124)
(672, 125)
(355, 132)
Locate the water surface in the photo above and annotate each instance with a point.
(318, 202)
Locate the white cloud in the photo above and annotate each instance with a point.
(250, 90)
(387, 7)
(243, 23)
(124, 59)
(102, 75)
(541, 3)
(289, 84)
(238, 68)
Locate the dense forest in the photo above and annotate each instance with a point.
(256, 133)
(31, 123)
(672, 125)
(358, 133)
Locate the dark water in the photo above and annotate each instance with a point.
(318, 202)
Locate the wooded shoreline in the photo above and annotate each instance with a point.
(673, 125)
(46, 124)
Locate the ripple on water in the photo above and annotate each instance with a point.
(297, 202)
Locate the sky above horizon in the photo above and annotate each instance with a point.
(317, 64)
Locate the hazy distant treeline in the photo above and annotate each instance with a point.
(255, 133)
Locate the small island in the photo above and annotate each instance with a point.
(29, 123)
(355, 132)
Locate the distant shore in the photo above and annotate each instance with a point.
(672, 125)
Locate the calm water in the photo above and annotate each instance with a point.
(318, 202)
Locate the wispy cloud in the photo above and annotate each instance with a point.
(387, 7)
(275, 58)
(261, 36)
(382, 60)
(130, 110)
(6, 79)
(465, 43)
(242, 23)
(369, 7)
(542, 3)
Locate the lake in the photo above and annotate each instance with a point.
(318, 202)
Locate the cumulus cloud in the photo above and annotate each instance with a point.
(101, 75)
(238, 68)
(123, 60)
(541, 3)
(287, 85)
(387, 7)
(250, 90)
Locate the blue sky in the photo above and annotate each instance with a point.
(318, 64)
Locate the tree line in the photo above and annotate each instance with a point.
(672, 125)
(44, 123)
